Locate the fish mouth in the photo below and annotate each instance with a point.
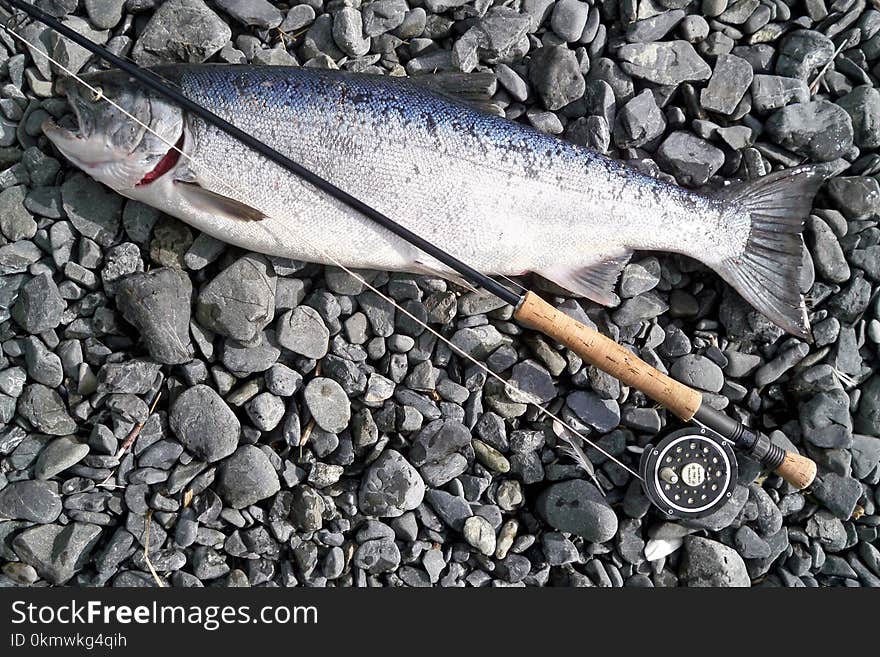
(68, 135)
(70, 142)
(57, 132)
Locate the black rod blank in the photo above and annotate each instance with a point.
(153, 82)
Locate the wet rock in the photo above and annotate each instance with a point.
(240, 301)
(578, 507)
(246, 477)
(183, 31)
(819, 130)
(35, 501)
(204, 423)
(57, 553)
(59, 455)
(710, 563)
(157, 304)
(802, 53)
(556, 76)
(664, 62)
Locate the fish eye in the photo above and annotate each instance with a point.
(96, 94)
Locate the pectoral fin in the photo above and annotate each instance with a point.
(595, 282)
(216, 203)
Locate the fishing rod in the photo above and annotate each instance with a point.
(689, 473)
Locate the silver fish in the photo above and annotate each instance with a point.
(500, 196)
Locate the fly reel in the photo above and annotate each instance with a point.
(690, 473)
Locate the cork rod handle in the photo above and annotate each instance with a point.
(608, 356)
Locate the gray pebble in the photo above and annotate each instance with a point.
(690, 159)
(578, 507)
(39, 306)
(729, 82)
(57, 553)
(265, 411)
(556, 76)
(256, 13)
(328, 404)
(240, 301)
(664, 62)
(303, 331)
(181, 30)
(45, 409)
(710, 563)
(246, 477)
(157, 304)
(35, 501)
(59, 455)
(390, 487)
(203, 422)
(819, 130)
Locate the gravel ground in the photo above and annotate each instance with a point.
(306, 434)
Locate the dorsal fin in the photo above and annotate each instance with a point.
(474, 89)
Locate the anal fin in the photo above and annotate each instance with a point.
(217, 203)
(595, 282)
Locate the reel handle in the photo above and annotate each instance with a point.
(682, 400)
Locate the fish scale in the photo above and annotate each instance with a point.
(496, 194)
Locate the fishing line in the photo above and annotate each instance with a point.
(520, 394)
(514, 283)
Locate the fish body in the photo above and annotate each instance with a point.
(500, 196)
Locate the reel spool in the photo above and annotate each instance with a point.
(690, 473)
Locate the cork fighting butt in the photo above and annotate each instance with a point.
(797, 470)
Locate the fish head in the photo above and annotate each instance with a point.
(101, 137)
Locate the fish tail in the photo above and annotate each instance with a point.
(767, 271)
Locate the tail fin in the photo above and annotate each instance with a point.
(766, 273)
